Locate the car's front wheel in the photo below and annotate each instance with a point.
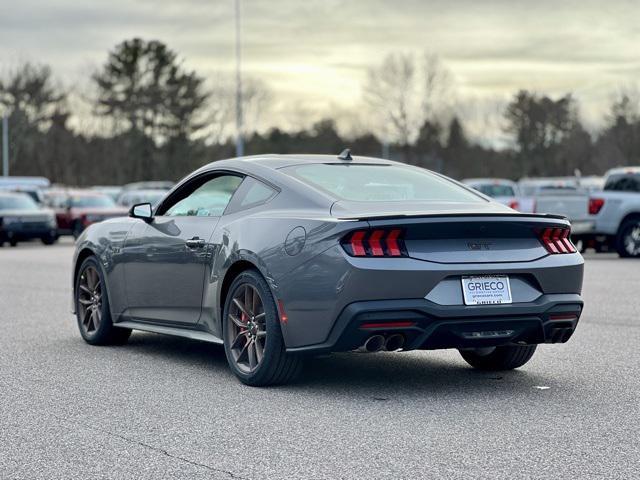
(253, 340)
(499, 358)
(49, 239)
(92, 307)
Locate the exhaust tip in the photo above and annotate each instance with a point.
(374, 343)
(394, 342)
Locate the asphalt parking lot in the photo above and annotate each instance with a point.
(161, 407)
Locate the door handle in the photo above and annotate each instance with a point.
(195, 242)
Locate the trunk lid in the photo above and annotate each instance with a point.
(463, 234)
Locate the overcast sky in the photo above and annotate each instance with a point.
(316, 52)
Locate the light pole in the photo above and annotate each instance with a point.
(5, 145)
(239, 139)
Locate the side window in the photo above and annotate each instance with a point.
(251, 193)
(257, 193)
(208, 200)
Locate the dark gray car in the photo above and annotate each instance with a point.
(22, 219)
(282, 257)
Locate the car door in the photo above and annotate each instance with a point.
(166, 258)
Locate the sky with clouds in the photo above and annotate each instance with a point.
(314, 54)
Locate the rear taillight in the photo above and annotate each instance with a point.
(595, 205)
(375, 243)
(556, 240)
(514, 204)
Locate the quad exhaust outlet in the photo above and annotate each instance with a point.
(377, 343)
(374, 343)
(394, 342)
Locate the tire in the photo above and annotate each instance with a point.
(13, 242)
(501, 358)
(628, 239)
(275, 366)
(76, 229)
(49, 239)
(103, 331)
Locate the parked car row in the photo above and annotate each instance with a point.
(30, 208)
(604, 211)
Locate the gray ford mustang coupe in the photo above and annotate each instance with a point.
(280, 257)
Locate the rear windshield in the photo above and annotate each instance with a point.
(17, 202)
(496, 190)
(380, 183)
(623, 183)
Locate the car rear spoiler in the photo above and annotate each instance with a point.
(547, 216)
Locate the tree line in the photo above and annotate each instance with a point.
(155, 119)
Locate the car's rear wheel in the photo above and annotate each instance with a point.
(92, 307)
(253, 340)
(499, 358)
(628, 239)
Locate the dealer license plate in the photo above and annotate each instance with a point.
(486, 290)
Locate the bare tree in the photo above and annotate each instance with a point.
(437, 92)
(30, 90)
(390, 91)
(257, 99)
(403, 94)
(32, 99)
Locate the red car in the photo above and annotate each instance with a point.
(77, 209)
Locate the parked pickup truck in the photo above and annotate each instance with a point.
(616, 213)
(560, 197)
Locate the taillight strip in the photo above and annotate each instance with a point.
(357, 246)
(392, 243)
(557, 240)
(377, 242)
(374, 243)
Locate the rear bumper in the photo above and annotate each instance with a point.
(426, 325)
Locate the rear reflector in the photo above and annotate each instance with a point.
(283, 314)
(374, 243)
(556, 240)
(595, 205)
(387, 325)
(558, 317)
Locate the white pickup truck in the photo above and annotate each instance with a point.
(616, 213)
(559, 196)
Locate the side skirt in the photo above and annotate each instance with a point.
(164, 330)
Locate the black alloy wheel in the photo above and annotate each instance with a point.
(253, 340)
(92, 307)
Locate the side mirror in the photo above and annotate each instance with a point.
(142, 211)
